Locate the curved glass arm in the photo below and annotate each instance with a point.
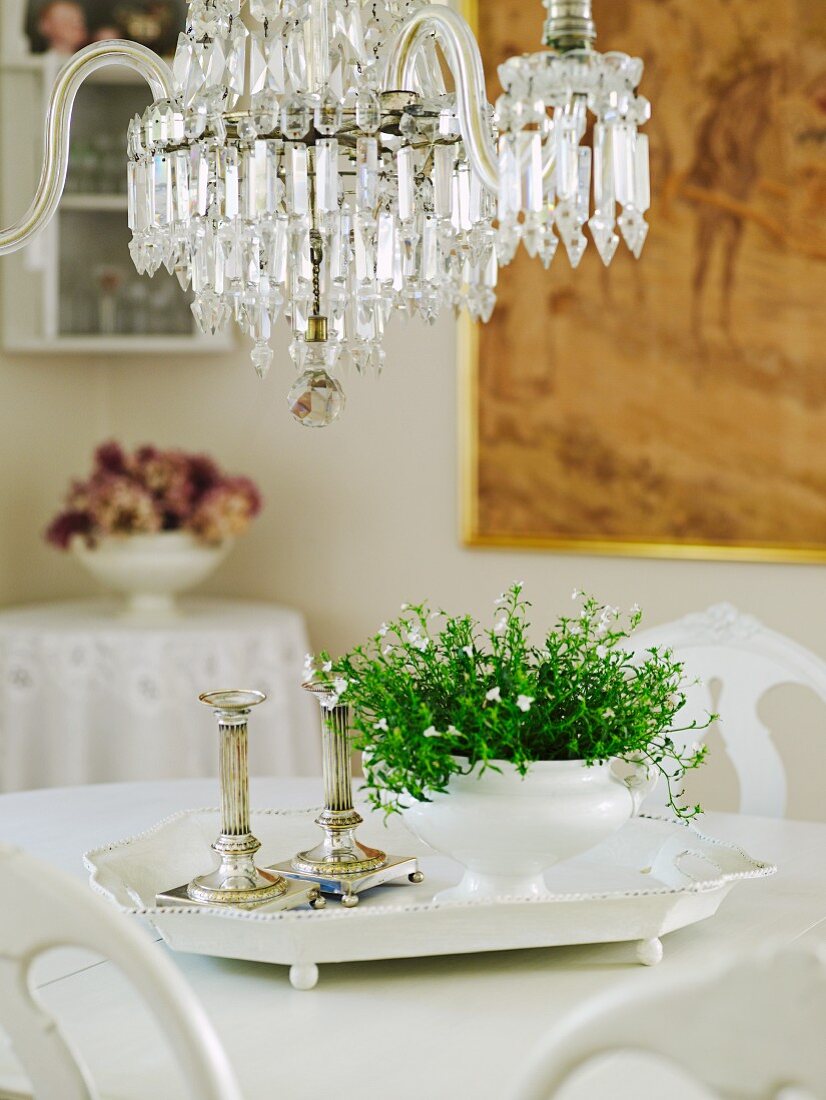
(465, 63)
(461, 52)
(58, 121)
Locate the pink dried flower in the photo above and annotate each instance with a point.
(166, 474)
(65, 526)
(144, 454)
(109, 456)
(226, 510)
(246, 487)
(204, 474)
(119, 505)
(152, 490)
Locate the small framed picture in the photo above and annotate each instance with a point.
(65, 26)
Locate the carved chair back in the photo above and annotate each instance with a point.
(43, 908)
(775, 1048)
(736, 661)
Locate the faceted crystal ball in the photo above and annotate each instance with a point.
(315, 399)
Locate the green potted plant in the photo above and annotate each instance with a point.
(507, 754)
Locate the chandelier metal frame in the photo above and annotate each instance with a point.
(316, 164)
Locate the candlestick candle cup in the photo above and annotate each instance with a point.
(237, 881)
(341, 864)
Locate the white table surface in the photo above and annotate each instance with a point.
(89, 694)
(425, 1028)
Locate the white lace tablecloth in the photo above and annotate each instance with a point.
(88, 695)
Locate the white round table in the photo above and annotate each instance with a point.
(440, 1028)
(90, 695)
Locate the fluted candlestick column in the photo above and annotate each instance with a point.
(237, 880)
(340, 864)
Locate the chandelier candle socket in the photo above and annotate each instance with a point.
(340, 864)
(304, 159)
(238, 882)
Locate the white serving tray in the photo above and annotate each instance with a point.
(650, 878)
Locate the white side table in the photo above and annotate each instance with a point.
(88, 695)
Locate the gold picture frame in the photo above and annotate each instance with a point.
(745, 54)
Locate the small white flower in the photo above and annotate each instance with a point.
(500, 627)
(575, 594)
(519, 585)
(417, 641)
(501, 599)
(434, 614)
(524, 703)
(405, 606)
(381, 724)
(382, 630)
(608, 713)
(339, 685)
(309, 661)
(494, 695)
(387, 649)
(601, 650)
(602, 628)
(635, 608)
(574, 629)
(454, 731)
(468, 649)
(327, 666)
(431, 731)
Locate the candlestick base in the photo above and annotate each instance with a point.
(237, 881)
(294, 893)
(348, 885)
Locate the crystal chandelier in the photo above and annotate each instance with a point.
(306, 161)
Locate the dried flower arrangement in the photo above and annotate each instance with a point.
(151, 490)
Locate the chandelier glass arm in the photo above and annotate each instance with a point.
(465, 63)
(464, 60)
(132, 55)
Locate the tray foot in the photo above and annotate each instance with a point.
(649, 952)
(303, 975)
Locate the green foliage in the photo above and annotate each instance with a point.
(424, 703)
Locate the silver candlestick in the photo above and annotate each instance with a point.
(237, 881)
(341, 864)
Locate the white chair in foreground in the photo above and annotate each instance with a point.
(42, 908)
(745, 659)
(753, 1031)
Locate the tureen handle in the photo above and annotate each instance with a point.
(640, 783)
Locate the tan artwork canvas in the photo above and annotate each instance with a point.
(675, 404)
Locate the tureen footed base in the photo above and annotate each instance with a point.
(480, 886)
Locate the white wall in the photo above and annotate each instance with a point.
(358, 517)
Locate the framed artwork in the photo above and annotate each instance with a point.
(675, 405)
(63, 26)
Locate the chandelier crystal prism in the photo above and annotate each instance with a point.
(305, 160)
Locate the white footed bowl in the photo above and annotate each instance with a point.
(151, 569)
(507, 830)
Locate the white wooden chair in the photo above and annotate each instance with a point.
(42, 908)
(745, 660)
(753, 1031)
